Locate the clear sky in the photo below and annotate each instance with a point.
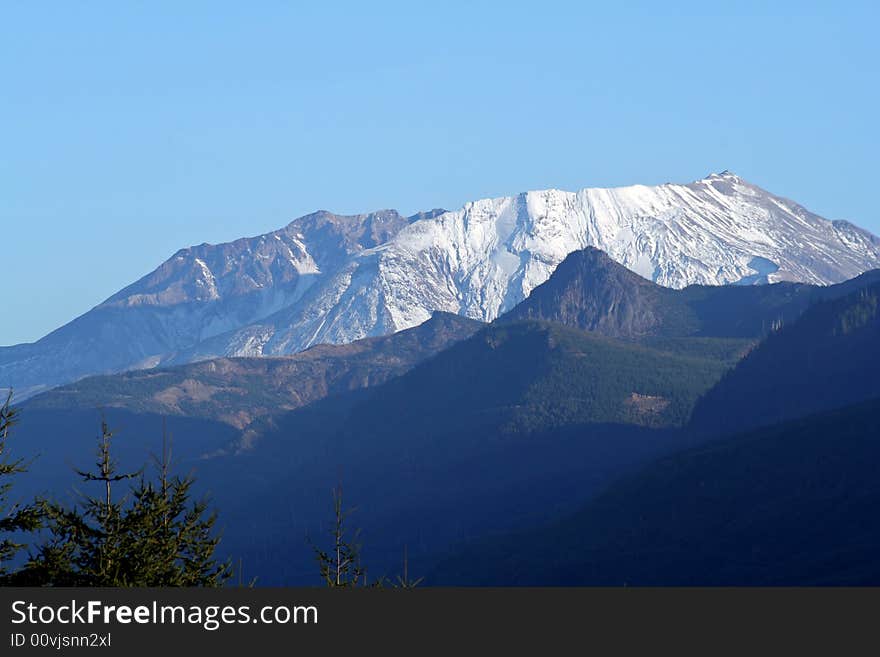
(131, 129)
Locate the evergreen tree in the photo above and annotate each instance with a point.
(175, 538)
(14, 517)
(340, 566)
(404, 581)
(154, 536)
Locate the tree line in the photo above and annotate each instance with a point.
(141, 528)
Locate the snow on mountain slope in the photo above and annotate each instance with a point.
(485, 258)
(326, 278)
(198, 293)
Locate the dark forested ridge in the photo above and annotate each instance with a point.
(517, 423)
(537, 375)
(829, 357)
(792, 502)
(789, 504)
(454, 431)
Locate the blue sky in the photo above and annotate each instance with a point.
(129, 130)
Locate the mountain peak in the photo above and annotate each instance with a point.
(727, 174)
(593, 255)
(591, 291)
(593, 262)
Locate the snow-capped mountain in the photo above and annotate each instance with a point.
(326, 278)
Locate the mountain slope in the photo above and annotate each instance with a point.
(791, 504)
(829, 357)
(198, 293)
(337, 279)
(236, 391)
(525, 375)
(496, 432)
(521, 422)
